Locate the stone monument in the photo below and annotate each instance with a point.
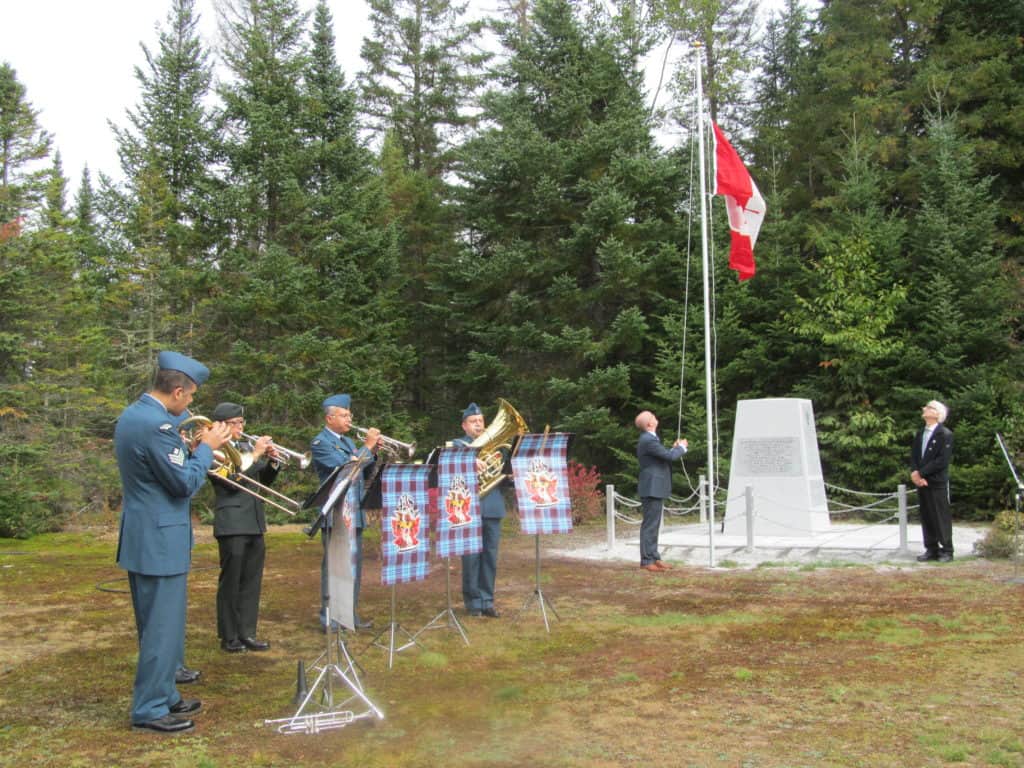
(775, 450)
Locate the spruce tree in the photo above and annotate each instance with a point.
(570, 231)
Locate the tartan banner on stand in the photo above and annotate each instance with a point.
(458, 519)
(541, 472)
(405, 524)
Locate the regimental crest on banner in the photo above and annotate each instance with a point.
(542, 483)
(346, 513)
(540, 470)
(458, 525)
(405, 495)
(405, 524)
(458, 503)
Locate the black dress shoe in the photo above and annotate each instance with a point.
(491, 612)
(255, 645)
(184, 675)
(186, 707)
(232, 646)
(473, 613)
(166, 724)
(945, 557)
(364, 624)
(927, 556)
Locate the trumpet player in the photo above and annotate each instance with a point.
(239, 522)
(154, 545)
(331, 448)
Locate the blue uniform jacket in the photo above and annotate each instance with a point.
(158, 477)
(491, 505)
(330, 451)
(655, 466)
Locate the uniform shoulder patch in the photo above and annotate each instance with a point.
(177, 457)
(317, 441)
(166, 427)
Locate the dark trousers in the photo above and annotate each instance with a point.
(159, 605)
(239, 585)
(649, 528)
(479, 571)
(936, 520)
(357, 577)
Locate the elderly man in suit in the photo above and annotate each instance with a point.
(930, 454)
(332, 448)
(654, 487)
(158, 477)
(239, 523)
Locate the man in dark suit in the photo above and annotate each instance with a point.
(331, 448)
(480, 570)
(158, 477)
(930, 455)
(654, 487)
(239, 523)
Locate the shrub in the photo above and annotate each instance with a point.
(999, 541)
(585, 492)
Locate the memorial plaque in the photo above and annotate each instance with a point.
(775, 451)
(770, 456)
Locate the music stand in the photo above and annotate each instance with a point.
(1016, 516)
(330, 716)
(446, 619)
(538, 595)
(392, 630)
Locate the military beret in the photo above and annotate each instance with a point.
(175, 361)
(225, 411)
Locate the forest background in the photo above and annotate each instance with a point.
(483, 211)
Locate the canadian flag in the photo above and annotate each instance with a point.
(743, 202)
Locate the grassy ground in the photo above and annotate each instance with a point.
(835, 666)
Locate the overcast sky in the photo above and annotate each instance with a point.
(76, 59)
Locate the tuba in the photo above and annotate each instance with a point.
(507, 424)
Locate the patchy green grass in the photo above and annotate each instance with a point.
(819, 667)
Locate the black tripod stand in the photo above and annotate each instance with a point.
(317, 710)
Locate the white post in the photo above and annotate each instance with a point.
(748, 493)
(609, 509)
(706, 266)
(700, 494)
(710, 502)
(901, 496)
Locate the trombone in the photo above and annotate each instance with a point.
(229, 465)
(396, 448)
(285, 455)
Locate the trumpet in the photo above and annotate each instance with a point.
(285, 455)
(396, 448)
(229, 464)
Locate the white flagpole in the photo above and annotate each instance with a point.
(708, 399)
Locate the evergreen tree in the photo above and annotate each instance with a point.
(570, 228)
(22, 145)
(155, 279)
(856, 295)
(726, 30)
(418, 92)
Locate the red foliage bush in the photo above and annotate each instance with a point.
(585, 493)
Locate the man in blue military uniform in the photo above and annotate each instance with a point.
(239, 522)
(331, 448)
(655, 485)
(158, 477)
(480, 570)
